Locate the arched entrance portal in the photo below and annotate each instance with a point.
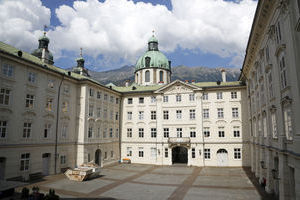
(98, 157)
(179, 155)
(2, 167)
(222, 156)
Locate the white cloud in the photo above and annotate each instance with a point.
(21, 22)
(119, 29)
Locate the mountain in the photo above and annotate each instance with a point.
(199, 74)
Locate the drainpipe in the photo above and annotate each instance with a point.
(203, 159)
(56, 128)
(120, 126)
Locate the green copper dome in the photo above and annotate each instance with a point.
(153, 58)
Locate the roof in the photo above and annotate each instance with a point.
(33, 59)
(138, 88)
(157, 60)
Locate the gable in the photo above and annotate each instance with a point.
(177, 87)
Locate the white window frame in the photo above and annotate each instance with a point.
(141, 115)
(178, 114)
(47, 130)
(192, 114)
(220, 113)
(25, 162)
(166, 132)
(27, 127)
(153, 133)
(235, 112)
(166, 99)
(129, 115)
(153, 115)
(178, 98)
(179, 132)
(29, 101)
(3, 128)
(4, 96)
(129, 151)
(237, 154)
(205, 113)
(141, 132)
(192, 97)
(166, 114)
(129, 132)
(206, 131)
(219, 95)
(7, 70)
(207, 154)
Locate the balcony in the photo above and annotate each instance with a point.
(179, 140)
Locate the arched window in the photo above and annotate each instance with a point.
(161, 76)
(137, 78)
(147, 76)
(147, 61)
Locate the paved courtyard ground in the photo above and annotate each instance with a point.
(145, 182)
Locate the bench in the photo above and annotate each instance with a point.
(17, 178)
(35, 176)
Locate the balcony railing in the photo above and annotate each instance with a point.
(179, 140)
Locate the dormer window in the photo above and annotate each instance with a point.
(147, 61)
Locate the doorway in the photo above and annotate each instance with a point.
(46, 163)
(179, 155)
(222, 156)
(98, 157)
(2, 168)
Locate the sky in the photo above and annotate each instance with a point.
(114, 33)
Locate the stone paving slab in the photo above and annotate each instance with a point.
(81, 187)
(161, 179)
(230, 181)
(116, 174)
(131, 167)
(221, 194)
(134, 191)
(174, 170)
(223, 171)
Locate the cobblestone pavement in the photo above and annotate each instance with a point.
(133, 181)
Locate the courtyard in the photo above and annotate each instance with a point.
(133, 181)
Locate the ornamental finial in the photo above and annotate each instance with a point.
(153, 32)
(45, 27)
(80, 51)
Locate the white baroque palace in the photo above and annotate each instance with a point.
(52, 119)
(272, 73)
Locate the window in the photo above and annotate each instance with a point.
(117, 132)
(111, 99)
(49, 104)
(129, 151)
(192, 132)
(206, 153)
(141, 115)
(91, 110)
(111, 154)
(7, 70)
(161, 76)
(153, 132)
(141, 132)
(206, 132)
(47, 130)
(166, 114)
(178, 114)
(31, 77)
(129, 101)
(129, 132)
(283, 72)
(4, 96)
(278, 33)
(105, 113)
(166, 132)
(65, 106)
(233, 95)
(63, 159)
(98, 95)
(153, 115)
(26, 130)
(205, 96)
(153, 152)
(221, 132)
(192, 97)
(91, 92)
(235, 112)
(166, 152)
(267, 52)
(29, 101)
(237, 153)
(147, 74)
(90, 132)
(274, 125)
(193, 153)
(270, 84)
(117, 100)
(111, 113)
(98, 132)
(205, 113)
(265, 125)
(219, 95)
(105, 155)
(3, 129)
(117, 116)
(24, 162)
(129, 115)
(236, 131)
(178, 98)
(64, 130)
(192, 114)
(166, 98)
(287, 114)
(111, 132)
(141, 152)
(51, 83)
(66, 89)
(220, 113)
(153, 99)
(141, 100)
(98, 112)
(105, 97)
(104, 132)
(179, 132)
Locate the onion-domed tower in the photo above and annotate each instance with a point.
(42, 52)
(153, 67)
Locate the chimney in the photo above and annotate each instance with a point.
(127, 83)
(193, 81)
(223, 75)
